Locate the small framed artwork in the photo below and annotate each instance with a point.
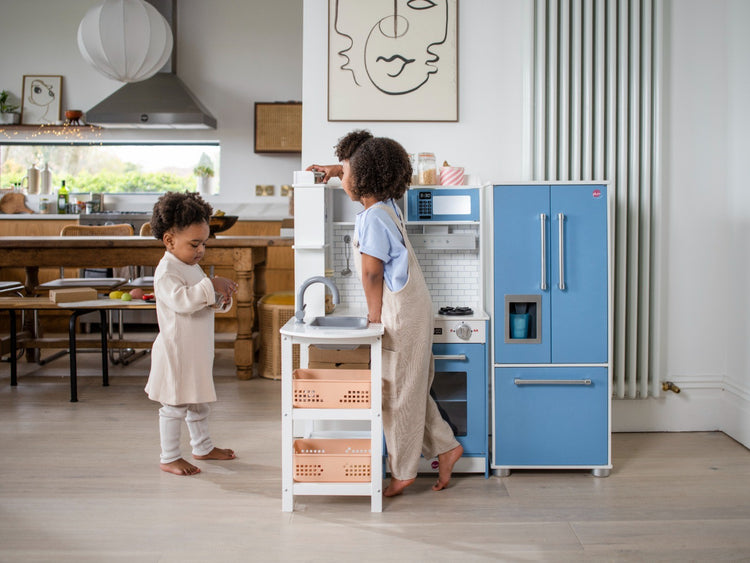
(40, 104)
(393, 60)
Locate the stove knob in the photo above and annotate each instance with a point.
(463, 331)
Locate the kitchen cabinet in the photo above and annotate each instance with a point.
(552, 326)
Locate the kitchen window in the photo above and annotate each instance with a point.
(114, 167)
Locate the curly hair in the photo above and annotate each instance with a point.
(176, 210)
(380, 166)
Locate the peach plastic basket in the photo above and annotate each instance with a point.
(331, 388)
(332, 461)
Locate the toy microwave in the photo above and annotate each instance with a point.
(442, 204)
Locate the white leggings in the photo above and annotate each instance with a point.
(170, 425)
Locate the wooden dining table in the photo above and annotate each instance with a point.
(240, 253)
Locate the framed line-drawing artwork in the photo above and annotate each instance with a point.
(393, 60)
(40, 103)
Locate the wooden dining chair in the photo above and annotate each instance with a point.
(103, 284)
(99, 283)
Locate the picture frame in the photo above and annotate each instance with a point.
(392, 60)
(41, 99)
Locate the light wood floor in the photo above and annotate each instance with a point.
(80, 482)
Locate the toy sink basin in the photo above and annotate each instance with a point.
(348, 323)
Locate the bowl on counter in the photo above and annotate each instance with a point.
(219, 223)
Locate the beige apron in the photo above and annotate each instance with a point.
(411, 421)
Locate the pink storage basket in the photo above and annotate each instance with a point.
(332, 461)
(331, 388)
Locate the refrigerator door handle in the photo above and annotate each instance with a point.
(543, 223)
(561, 244)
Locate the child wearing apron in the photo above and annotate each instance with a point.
(376, 171)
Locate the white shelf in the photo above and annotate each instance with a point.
(335, 489)
(340, 435)
(295, 333)
(333, 414)
(310, 247)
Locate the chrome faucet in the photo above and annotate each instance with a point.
(300, 314)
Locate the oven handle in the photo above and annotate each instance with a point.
(459, 357)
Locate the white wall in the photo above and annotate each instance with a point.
(488, 140)
(231, 54)
(705, 226)
(737, 399)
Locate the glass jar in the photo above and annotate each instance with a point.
(414, 173)
(427, 169)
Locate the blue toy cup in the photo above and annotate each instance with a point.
(519, 325)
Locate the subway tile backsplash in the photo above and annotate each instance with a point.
(453, 276)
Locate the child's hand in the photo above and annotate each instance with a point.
(330, 171)
(225, 287)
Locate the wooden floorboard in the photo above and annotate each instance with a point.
(80, 482)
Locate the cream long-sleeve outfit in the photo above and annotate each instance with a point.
(411, 421)
(181, 376)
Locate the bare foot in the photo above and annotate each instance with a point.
(396, 487)
(179, 467)
(446, 461)
(217, 453)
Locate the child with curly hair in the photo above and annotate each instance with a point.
(181, 376)
(376, 171)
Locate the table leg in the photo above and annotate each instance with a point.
(104, 324)
(243, 344)
(32, 326)
(13, 344)
(72, 348)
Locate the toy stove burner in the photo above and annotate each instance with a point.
(455, 311)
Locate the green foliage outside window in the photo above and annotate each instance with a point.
(96, 169)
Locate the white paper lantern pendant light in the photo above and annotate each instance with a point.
(126, 40)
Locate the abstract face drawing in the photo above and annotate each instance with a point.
(394, 47)
(42, 95)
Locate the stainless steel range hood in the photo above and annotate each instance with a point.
(160, 102)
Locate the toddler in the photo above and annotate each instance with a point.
(181, 376)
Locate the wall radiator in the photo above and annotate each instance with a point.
(596, 117)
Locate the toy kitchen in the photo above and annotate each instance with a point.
(445, 228)
(532, 388)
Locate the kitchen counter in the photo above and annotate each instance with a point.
(37, 216)
(267, 208)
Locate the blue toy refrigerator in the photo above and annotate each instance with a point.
(551, 327)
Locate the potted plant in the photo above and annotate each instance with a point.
(204, 171)
(8, 113)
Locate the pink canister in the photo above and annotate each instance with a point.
(451, 176)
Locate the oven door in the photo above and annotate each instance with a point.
(459, 389)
